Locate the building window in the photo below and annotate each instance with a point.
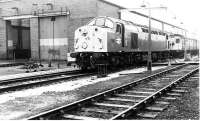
(167, 37)
(119, 15)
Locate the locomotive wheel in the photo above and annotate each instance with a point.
(115, 61)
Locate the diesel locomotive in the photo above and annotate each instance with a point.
(116, 42)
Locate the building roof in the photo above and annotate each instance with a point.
(113, 4)
(121, 7)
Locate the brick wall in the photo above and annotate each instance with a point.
(78, 8)
(53, 36)
(73, 25)
(104, 9)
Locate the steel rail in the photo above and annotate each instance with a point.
(20, 86)
(41, 76)
(11, 64)
(148, 99)
(25, 80)
(48, 75)
(60, 110)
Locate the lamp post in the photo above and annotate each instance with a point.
(149, 60)
(185, 38)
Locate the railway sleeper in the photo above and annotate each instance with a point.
(100, 110)
(112, 105)
(85, 112)
(172, 76)
(173, 94)
(122, 99)
(168, 98)
(156, 107)
(139, 92)
(181, 87)
(157, 86)
(162, 102)
(178, 90)
(76, 117)
(119, 102)
(147, 114)
(186, 84)
(193, 79)
(146, 89)
(131, 95)
(160, 81)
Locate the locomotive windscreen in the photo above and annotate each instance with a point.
(101, 22)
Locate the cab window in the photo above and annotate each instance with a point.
(118, 29)
(109, 23)
(177, 40)
(100, 22)
(92, 22)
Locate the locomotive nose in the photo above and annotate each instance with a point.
(85, 33)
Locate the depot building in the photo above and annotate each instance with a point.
(44, 29)
(39, 29)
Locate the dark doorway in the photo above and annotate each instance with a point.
(18, 39)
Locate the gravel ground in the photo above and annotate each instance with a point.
(20, 69)
(10, 70)
(24, 103)
(185, 107)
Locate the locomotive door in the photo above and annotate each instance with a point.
(134, 41)
(120, 30)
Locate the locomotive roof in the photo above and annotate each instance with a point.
(139, 26)
(128, 23)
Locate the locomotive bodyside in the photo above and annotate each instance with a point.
(127, 37)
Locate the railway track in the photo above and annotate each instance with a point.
(141, 98)
(25, 82)
(11, 64)
(30, 81)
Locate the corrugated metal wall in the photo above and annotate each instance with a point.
(53, 38)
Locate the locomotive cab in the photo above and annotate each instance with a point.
(93, 36)
(102, 34)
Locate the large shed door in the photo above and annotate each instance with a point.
(134, 40)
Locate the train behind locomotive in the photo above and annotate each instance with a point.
(110, 41)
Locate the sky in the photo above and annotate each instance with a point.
(178, 11)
